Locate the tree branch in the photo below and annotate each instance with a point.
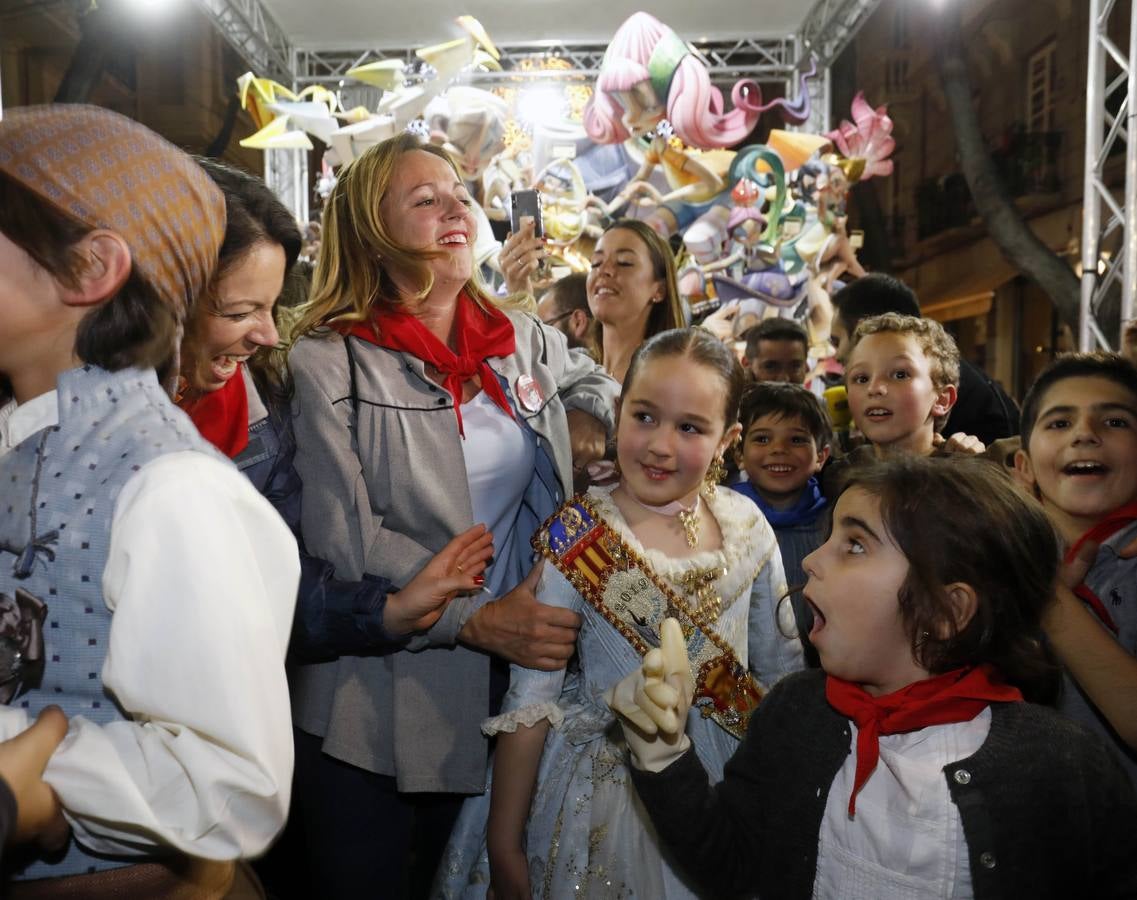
(1010, 232)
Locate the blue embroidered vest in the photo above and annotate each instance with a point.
(57, 500)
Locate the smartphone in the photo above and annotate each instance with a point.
(526, 203)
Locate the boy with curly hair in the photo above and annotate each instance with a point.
(902, 378)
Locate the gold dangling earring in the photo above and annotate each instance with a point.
(715, 473)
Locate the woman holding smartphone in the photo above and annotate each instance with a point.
(632, 289)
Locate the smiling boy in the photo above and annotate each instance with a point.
(786, 439)
(1079, 456)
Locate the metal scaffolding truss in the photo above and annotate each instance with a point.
(252, 31)
(286, 172)
(830, 25)
(764, 59)
(1109, 229)
(330, 67)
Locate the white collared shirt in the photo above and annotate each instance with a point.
(906, 841)
(21, 421)
(201, 576)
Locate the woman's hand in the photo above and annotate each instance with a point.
(521, 256)
(509, 876)
(522, 630)
(39, 817)
(652, 702)
(456, 568)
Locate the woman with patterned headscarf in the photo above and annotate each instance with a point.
(145, 586)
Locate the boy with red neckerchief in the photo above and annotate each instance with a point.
(1079, 457)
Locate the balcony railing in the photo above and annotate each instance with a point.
(1027, 163)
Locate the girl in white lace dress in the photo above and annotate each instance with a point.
(561, 819)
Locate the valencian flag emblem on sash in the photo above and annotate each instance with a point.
(623, 588)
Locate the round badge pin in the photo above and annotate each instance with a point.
(529, 393)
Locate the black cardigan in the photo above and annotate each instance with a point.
(1047, 811)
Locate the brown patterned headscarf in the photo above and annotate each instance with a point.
(107, 171)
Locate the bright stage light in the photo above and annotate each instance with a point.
(149, 8)
(541, 105)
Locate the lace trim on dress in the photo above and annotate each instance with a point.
(741, 526)
(527, 716)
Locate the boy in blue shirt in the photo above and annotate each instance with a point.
(786, 439)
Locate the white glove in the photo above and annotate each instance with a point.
(652, 702)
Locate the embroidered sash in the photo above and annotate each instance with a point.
(631, 597)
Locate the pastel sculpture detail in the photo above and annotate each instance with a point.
(867, 139)
(652, 88)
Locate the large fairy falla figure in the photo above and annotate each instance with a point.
(651, 86)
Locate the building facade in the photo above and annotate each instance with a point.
(1028, 71)
(162, 64)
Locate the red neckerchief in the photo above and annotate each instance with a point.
(480, 333)
(956, 696)
(1103, 531)
(222, 416)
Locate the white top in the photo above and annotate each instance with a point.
(906, 841)
(499, 466)
(201, 577)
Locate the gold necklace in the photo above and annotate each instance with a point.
(691, 520)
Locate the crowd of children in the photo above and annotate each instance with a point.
(910, 765)
(938, 750)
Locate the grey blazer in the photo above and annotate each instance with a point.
(382, 493)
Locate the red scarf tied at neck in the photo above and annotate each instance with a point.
(1103, 531)
(956, 696)
(222, 416)
(478, 333)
